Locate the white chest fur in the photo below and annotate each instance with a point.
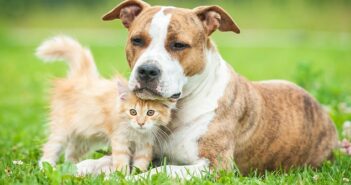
(196, 110)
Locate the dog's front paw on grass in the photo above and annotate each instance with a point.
(95, 166)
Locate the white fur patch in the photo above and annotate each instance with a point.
(90, 166)
(172, 75)
(198, 169)
(197, 110)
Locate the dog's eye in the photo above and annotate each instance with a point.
(179, 46)
(150, 112)
(133, 112)
(137, 41)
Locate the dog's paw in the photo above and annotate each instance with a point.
(95, 167)
(86, 167)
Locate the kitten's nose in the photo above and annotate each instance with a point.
(141, 124)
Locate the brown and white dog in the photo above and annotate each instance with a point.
(221, 116)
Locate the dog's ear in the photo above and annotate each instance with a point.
(215, 17)
(126, 11)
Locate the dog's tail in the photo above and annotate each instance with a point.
(79, 59)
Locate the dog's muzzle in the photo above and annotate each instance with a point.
(148, 77)
(148, 73)
(149, 83)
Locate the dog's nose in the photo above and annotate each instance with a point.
(148, 72)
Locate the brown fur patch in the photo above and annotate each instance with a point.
(185, 27)
(266, 126)
(140, 27)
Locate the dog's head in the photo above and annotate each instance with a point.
(167, 45)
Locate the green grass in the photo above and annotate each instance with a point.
(310, 45)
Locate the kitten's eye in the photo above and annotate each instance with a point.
(137, 41)
(133, 112)
(179, 46)
(150, 112)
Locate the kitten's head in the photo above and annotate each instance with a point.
(145, 115)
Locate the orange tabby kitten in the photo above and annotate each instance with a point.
(134, 134)
(87, 110)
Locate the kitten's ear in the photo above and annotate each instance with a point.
(123, 97)
(123, 90)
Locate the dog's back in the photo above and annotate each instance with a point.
(293, 130)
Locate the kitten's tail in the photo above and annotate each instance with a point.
(79, 59)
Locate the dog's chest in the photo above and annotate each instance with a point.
(181, 146)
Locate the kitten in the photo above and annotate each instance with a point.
(133, 139)
(87, 111)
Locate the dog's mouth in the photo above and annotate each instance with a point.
(146, 93)
(176, 96)
(149, 94)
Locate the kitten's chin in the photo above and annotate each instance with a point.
(143, 130)
(146, 129)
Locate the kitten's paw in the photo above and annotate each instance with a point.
(107, 170)
(124, 169)
(144, 175)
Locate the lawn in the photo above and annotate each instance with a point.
(308, 43)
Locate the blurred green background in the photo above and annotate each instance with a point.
(305, 41)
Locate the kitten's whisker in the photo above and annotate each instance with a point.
(158, 141)
(157, 137)
(168, 130)
(162, 143)
(165, 137)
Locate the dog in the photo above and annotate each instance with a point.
(223, 120)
